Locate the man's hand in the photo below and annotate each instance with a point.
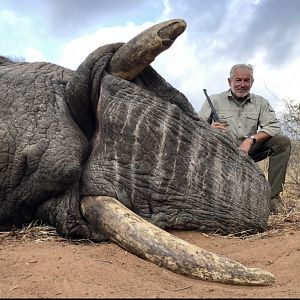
(246, 145)
(248, 142)
(218, 125)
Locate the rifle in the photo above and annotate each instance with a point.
(215, 116)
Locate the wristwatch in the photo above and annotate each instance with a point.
(253, 138)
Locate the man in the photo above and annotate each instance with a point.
(251, 122)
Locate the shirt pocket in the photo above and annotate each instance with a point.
(226, 116)
(251, 122)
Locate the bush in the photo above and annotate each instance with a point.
(290, 122)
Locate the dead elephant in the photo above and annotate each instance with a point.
(113, 152)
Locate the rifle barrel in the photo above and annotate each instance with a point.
(214, 113)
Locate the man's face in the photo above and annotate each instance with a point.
(241, 82)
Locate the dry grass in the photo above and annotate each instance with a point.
(36, 232)
(289, 218)
(33, 232)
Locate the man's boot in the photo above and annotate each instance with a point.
(276, 205)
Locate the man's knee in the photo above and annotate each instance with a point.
(281, 141)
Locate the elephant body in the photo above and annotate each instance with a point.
(41, 146)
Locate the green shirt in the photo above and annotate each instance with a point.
(244, 118)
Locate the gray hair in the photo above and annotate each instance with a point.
(241, 66)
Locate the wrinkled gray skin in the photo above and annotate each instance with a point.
(66, 134)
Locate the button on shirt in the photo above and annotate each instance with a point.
(244, 118)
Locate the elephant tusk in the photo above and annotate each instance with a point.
(134, 56)
(151, 243)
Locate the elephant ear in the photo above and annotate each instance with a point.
(83, 90)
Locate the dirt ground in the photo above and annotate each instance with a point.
(36, 263)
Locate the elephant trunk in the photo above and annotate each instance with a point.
(136, 235)
(134, 56)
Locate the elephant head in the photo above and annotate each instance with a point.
(114, 152)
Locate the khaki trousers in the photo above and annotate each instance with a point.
(278, 149)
